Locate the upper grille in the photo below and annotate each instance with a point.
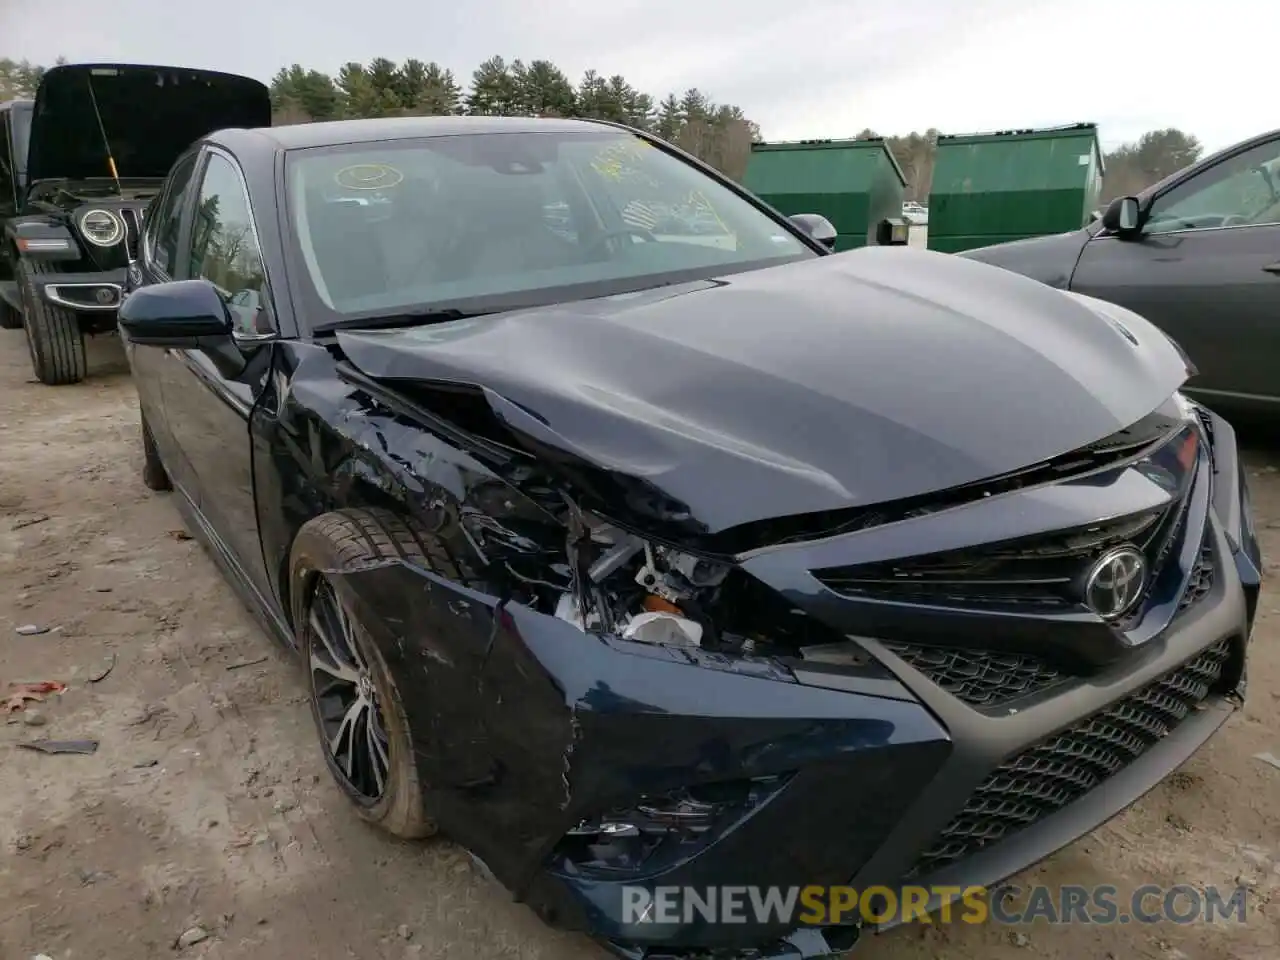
(1040, 572)
(1052, 774)
(1044, 571)
(981, 678)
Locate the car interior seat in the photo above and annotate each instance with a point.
(348, 248)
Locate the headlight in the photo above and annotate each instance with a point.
(102, 228)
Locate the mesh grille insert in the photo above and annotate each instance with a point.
(981, 678)
(1049, 776)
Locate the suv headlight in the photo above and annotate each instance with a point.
(102, 228)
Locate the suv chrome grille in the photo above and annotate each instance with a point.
(1052, 774)
(133, 223)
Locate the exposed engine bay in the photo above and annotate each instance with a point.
(641, 591)
(53, 196)
(626, 586)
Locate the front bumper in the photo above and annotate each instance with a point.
(524, 728)
(96, 292)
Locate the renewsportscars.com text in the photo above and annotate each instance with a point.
(824, 906)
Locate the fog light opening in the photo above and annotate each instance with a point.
(659, 830)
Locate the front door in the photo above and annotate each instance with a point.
(208, 415)
(158, 262)
(1206, 269)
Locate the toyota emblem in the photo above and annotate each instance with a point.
(1115, 582)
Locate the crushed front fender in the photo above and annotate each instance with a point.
(524, 727)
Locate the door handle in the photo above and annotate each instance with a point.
(1273, 268)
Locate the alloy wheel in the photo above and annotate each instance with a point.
(346, 698)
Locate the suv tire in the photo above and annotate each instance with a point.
(54, 337)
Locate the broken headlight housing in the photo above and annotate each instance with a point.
(631, 587)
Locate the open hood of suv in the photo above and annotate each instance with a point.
(149, 115)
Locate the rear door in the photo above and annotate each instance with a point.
(1206, 269)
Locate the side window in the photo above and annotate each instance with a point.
(164, 219)
(1243, 190)
(6, 161)
(224, 248)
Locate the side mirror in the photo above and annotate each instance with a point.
(183, 315)
(818, 227)
(1123, 217)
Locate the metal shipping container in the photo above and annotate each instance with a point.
(993, 187)
(853, 183)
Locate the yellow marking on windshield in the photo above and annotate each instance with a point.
(368, 176)
(698, 200)
(616, 160)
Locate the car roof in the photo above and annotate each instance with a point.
(300, 136)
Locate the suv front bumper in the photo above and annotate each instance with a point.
(96, 292)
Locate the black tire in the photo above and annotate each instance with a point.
(54, 337)
(347, 539)
(154, 475)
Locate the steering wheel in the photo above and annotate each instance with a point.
(604, 238)
(1234, 220)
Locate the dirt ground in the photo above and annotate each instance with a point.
(207, 804)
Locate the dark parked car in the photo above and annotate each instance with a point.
(633, 560)
(15, 124)
(102, 139)
(1198, 255)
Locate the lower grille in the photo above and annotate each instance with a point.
(1060, 770)
(981, 678)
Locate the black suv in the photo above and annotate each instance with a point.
(15, 125)
(101, 140)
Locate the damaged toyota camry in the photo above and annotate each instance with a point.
(630, 556)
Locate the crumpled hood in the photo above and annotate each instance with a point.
(865, 377)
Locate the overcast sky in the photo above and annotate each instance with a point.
(800, 68)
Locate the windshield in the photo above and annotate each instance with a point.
(520, 218)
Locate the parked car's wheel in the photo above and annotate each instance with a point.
(354, 700)
(54, 337)
(154, 475)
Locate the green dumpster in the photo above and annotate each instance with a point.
(993, 187)
(853, 183)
